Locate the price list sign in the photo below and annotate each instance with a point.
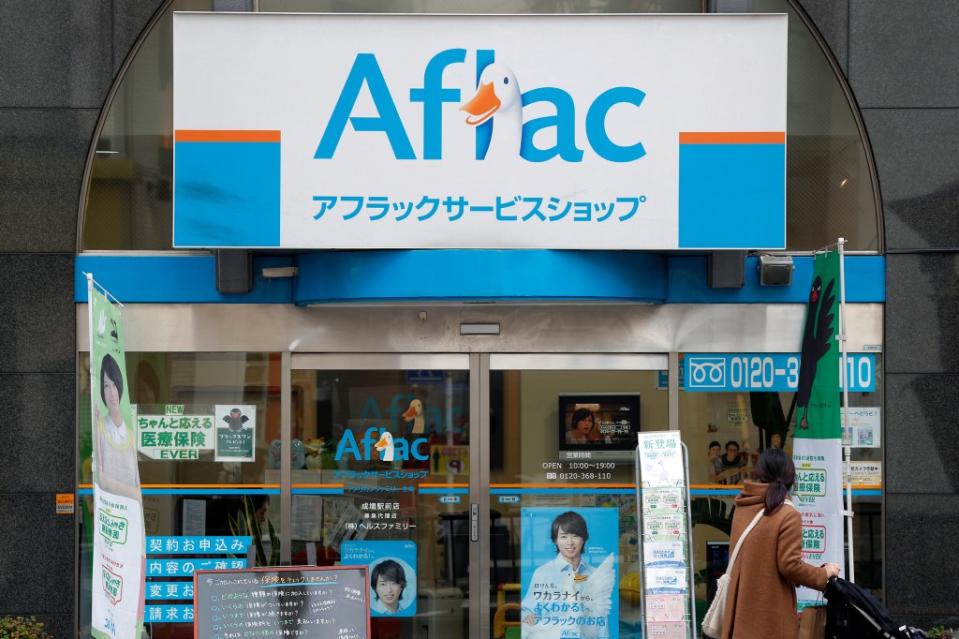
(308, 602)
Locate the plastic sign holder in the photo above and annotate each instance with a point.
(668, 600)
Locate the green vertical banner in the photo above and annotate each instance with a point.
(817, 447)
(119, 544)
(817, 402)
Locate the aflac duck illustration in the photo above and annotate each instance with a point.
(498, 97)
(385, 445)
(415, 414)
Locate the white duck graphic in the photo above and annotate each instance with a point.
(498, 97)
(102, 323)
(415, 414)
(385, 445)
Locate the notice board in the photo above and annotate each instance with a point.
(317, 602)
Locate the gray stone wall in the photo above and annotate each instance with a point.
(901, 60)
(57, 61)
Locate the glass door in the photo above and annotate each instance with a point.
(381, 458)
(518, 466)
(563, 559)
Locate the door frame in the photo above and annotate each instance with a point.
(479, 364)
(478, 403)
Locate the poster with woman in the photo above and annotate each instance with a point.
(118, 541)
(569, 580)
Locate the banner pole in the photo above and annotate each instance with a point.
(844, 377)
(639, 532)
(92, 282)
(689, 541)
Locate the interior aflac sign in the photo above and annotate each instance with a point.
(588, 132)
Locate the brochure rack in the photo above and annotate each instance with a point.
(665, 530)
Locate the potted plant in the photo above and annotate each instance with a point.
(247, 524)
(22, 628)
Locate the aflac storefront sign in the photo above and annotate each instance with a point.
(590, 132)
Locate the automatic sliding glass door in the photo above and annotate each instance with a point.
(563, 556)
(381, 477)
(484, 492)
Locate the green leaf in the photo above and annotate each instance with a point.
(254, 526)
(274, 544)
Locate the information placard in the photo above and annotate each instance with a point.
(319, 602)
(664, 529)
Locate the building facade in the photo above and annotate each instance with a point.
(80, 77)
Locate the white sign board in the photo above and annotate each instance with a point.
(861, 428)
(665, 527)
(445, 131)
(865, 473)
(661, 460)
(174, 437)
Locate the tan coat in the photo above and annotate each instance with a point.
(761, 595)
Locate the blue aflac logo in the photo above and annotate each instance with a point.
(498, 103)
(387, 447)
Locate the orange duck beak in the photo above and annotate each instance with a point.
(483, 105)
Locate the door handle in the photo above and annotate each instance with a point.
(474, 522)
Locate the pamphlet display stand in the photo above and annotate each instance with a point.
(662, 496)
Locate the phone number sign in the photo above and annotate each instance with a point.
(738, 372)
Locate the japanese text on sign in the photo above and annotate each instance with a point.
(174, 436)
(516, 208)
(307, 602)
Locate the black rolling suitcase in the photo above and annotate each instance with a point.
(852, 612)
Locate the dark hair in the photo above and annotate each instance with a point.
(579, 415)
(732, 442)
(775, 468)
(570, 522)
(714, 443)
(110, 368)
(391, 571)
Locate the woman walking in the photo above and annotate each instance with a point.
(761, 595)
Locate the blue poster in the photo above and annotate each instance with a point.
(570, 581)
(392, 574)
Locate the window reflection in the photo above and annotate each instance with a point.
(380, 478)
(191, 410)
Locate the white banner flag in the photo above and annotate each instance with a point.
(118, 538)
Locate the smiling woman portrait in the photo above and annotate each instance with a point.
(117, 470)
(582, 427)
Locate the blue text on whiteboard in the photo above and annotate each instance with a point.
(735, 372)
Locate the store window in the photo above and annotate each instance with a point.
(726, 432)
(831, 189)
(208, 443)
